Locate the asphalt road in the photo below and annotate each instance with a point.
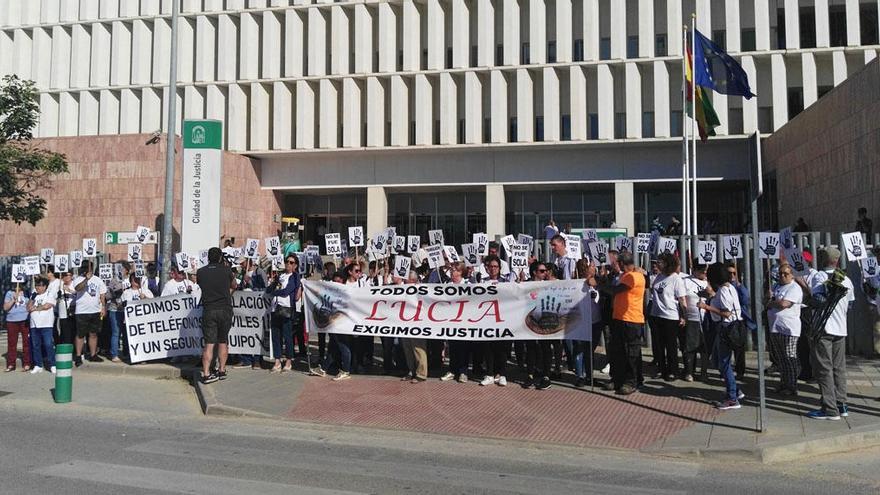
(150, 438)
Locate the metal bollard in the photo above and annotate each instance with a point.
(63, 373)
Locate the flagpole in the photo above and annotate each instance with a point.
(685, 156)
(693, 174)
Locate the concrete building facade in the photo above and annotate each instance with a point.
(465, 115)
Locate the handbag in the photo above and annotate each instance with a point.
(282, 312)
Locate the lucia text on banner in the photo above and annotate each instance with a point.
(526, 311)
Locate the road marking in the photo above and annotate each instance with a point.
(174, 481)
(473, 479)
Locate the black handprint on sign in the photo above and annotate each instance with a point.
(799, 265)
(601, 257)
(769, 247)
(708, 255)
(733, 248)
(856, 251)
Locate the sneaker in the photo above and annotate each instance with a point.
(841, 408)
(606, 369)
(543, 383)
(95, 359)
(487, 380)
(36, 369)
(501, 381)
(77, 362)
(820, 414)
(53, 370)
(626, 389)
(740, 395)
(727, 404)
(317, 372)
(341, 376)
(528, 382)
(221, 375)
(211, 378)
(669, 378)
(116, 360)
(241, 366)
(462, 378)
(689, 378)
(447, 376)
(608, 386)
(580, 383)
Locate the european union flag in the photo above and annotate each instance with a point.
(716, 70)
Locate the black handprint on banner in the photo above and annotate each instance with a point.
(769, 247)
(325, 310)
(549, 316)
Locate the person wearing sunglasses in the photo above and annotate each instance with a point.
(539, 356)
(362, 346)
(783, 312)
(286, 289)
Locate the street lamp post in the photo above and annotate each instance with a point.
(170, 142)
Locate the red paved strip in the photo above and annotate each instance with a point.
(557, 415)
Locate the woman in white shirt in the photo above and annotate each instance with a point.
(726, 313)
(135, 292)
(784, 315)
(667, 314)
(362, 346)
(692, 341)
(42, 319)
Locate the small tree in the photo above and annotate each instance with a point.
(25, 169)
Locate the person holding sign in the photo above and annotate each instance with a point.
(566, 265)
(42, 318)
(15, 305)
(459, 350)
(134, 292)
(179, 284)
(217, 283)
(286, 289)
(117, 317)
(91, 308)
(66, 319)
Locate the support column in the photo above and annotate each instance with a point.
(377, 209)
(762, 25)
(496, 211)
(551, 104)
(498, 94)
(823, 36)
(853, 23)
(750, 107)
(732, 23)
(424, 113)
(578, 102)
(780, 91)
(618, 33)
(511, 32)
(661, 99)
(646, 28)
(537, 31)
(634, 102)
(673, 28)
(624, 206)
(792, 25)
(605, 92)
(808, 69)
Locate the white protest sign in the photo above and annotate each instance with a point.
(666, 245)
(482, 242)
(435, 237)
(252, 248)
(451, 254)
(117, 269)
(624, 244)
(470, 253)
(76, 259)
(62, 263)
(19, 274)
(768, 245)
(277, 263)
(203, 257)
(854, 245)
(90, 247)
(272, 246)
(795, 258)
(643, 243)
(135, 252)
(105, 271)
(507, 242)
(544, 310)
(356, 236)
(652, 245)
(333, 243)
(182, 260)
(32, 265)
(390, 232)
(598, 251)
(399, 244)
(519, 259)
(525, 239)
(170, 326)
(412, 243)
(379, 243)
(733, 248)
(401, 266)
(139, 270)
(313, 252)
(590, 235)
(47, 255)
(435, 255)
(870, 269)
(707, 252)
(786, 241)
(573, 247)
(141, 233)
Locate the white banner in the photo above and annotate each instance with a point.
(510, 311)
(172, 326)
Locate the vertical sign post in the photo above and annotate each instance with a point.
(202, 177)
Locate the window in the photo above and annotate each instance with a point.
(720, 38)
(461, 130)
(473, 55)
(499, 54)
(437, 131)
(823, 90)
(747, 38)
(448, 57)
(605, 49)
(795, 102)
(807, 21)
(512, 137)
(539, 128)
(424, 59)
(837, 24)
(594, 126)
(578, 51)
(487, 130)
(648, 124)
(524, 56)
(675, 123)
(551, 52)
(619, 125)
(399, 60)
(565, 128)
(868, 20)
(412, 132)
(632, 47)
(780, 29)
(660, 49)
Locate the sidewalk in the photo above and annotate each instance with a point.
(675, 419)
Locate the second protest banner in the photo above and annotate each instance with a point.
(525, 311)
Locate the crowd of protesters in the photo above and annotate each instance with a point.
(698, 317)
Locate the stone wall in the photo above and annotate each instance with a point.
(827, 159)
(117, 182)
